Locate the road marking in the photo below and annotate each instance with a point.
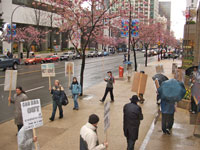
(147, 137)
(34, 89)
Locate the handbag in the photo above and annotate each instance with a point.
(65, 100)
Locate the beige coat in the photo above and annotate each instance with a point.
(18, 112)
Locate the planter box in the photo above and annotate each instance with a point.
(184, 104)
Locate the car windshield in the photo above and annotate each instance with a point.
(48, 56)
(32, 56)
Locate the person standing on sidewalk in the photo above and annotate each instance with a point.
(25, 140)
(57, 93)
(76, 91)
(132, 117)
(88, 135)
(167, 109)
(19, 97)
(109, 88)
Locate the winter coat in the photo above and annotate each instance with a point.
(89, 139)
(57, 93)
(17, 110)
(167, 107)
(110, 82)
(25, 140)
(132, 116)
(76, 88)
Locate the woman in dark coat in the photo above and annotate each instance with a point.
(132, 116)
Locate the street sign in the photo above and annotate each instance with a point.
(10, 80)
(32, 114)
(106, 116)
(48, 70)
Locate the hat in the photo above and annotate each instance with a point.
(109, 72)
(134, 98)
(93, 119)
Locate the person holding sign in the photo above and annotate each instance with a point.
(26, 140)
(109, 87)
(132, 116)
(76, 90)
(88, 135)
(19, 97)
(57, 93)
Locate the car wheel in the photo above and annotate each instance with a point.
(15, 66)
(26, 63)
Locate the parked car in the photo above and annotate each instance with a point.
(100, 53)
(148, 53)
(143, 51)
(78, 56)
(68, 56)
(105, 53)
(33, 60)
(93, 54)
(6, 62)
(51, 58)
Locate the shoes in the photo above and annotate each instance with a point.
(112, 101)
(193, 112)
(74, 108)
(51, 119)
(60, 117)
(167, 131)
(101, 100)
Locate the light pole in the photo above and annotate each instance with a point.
(11, 25)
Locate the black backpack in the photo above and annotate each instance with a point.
(65, 100)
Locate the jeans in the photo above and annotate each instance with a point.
(19, 127)
(55, 105)
(131, 144)
(167, 121)
(193, 104)
(75, 97)
(106, 93)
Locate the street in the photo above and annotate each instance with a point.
(30, 78)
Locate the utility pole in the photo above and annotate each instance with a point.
(130, 27)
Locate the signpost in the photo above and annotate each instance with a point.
(32, 115)
(48, 70)
(69, 70)
(106, 118)
(10, 82)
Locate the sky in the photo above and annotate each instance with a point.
(177, 18)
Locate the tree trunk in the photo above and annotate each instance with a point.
(82, 71)
(135, 58)
(146, 48)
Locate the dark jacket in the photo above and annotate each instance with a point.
(110, 82)
(57, 93)
(132, 116)
(167, 107)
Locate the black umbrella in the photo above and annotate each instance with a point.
(161, 78)
(189, 71)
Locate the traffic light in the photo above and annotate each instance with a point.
(1, 22)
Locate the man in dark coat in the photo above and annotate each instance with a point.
(132, 116)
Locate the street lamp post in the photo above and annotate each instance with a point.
(11, 22)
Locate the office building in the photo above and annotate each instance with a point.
(165, 10)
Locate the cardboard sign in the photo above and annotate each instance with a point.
(48, 70)
(195, 90)
(139, 83)
(179, 75)
(159, 69)
(106, 116)
(174, 67)
(69, 68)
(10, 80)
(32, 114)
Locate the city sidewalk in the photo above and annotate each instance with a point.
(64, 134)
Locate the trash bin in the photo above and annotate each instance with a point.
(121, 71)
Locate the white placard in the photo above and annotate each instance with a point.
(106, 116)
(48, 70)
(69, 68)
(32, 114)
(10, 80)
(159, 69)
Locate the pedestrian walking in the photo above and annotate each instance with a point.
(88, 135)
(26, 140)
(76, 91)
(19, 97)
(109, 87)
(57, 95)
(132, 117)
(168, 110)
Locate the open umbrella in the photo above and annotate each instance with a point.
(189, 70)
(161, 78)
(172, 90)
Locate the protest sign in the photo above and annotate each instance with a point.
(139, 83)
(179, 75)
(69, 71)
(106, 116)
(10, 82)
(32, 114)
(174, 67)
(48, 70)
(159, 69)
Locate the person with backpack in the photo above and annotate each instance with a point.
(109, 87)
(76, 91)
(19, 97)
(57, 95)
